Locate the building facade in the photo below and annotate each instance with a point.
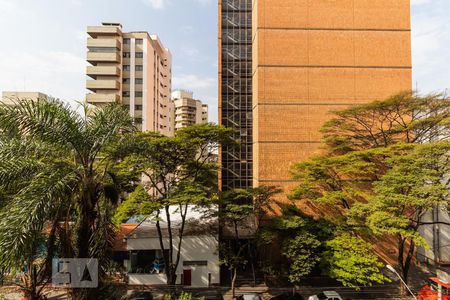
(138, 248)
(205, 113)
(9, 97)
(187, 110)
(133, 68)
(437, 236)
(309, 57)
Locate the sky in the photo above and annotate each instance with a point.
(43, 42)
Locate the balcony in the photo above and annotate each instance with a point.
(93, 57)
(95, 85)
(107, 43)
(95, 31)
(102, 71)
(102, 98)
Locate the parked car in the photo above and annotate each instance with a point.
(326, 295)
(142, 296)
(252, 296)
(248, 297)
(430, 291)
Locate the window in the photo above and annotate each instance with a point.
(126, 41)
(138, 120)
(127, 107)
(147, 261)
(138, 81)
(138, 94)
(139, 68)
(139, 41)
(102, 49)
(126, 94)
(139, 55)
(138, 107)
(126, 54)
(126, 80)
(126, 67)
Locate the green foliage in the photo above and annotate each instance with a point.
(337, 181)
(54, 181)
(402, 118)
(236, 214)
(178, 171)
(263, 200)
(183, 296)
(236, 208)
(302, 239)
(138, 203)
(377, 179)
(174, 165)
(350, 260)
(413, 185)
(302, 252)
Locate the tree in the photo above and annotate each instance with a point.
(403, 118)
(263, 201)
(301, 252)
(177, 171)
(237, 219)
(338, 181)
(138, 203)
(350, 260)
(302, 239)
(388, 196)
(414, 184)
(52, 169)
(372, 163)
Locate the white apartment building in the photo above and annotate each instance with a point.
(187, 110)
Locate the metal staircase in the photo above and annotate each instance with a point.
(237, 91)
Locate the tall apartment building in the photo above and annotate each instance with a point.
(205, 113)
(308, 57)
(133, 68)
(187, 110)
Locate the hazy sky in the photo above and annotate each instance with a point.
(43, 42)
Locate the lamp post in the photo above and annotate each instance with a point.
(391, 268)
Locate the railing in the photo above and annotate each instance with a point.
(238, 5)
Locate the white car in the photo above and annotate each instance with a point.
(326, 295)
(251, 297)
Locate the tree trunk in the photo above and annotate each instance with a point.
(400, 261)
(252, 262)
(183, 212)
(86, 217)
(253, 272)
(85, 228)
(172, 276)
(233, 282)
(405, 262)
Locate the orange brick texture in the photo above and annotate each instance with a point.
(311, 57)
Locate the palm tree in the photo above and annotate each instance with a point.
(57, 191)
